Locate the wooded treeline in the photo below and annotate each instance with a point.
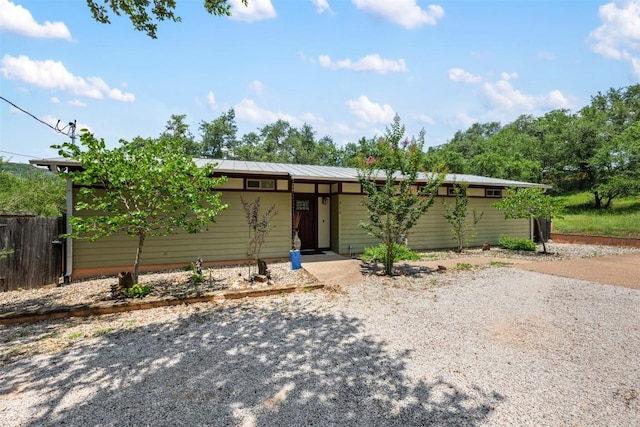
(595, 149)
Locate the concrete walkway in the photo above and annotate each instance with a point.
(333, 269)
(619, 270)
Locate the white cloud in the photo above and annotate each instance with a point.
(367, 63)
(459, 75)
(53, 75)
(312, 119)
(77, 103)
(54, 100)
(463, 119)
(118, 95)
(16, 19)
(618, 37)
(508, 76)
(248, 110)
(211, 99)
(406, 13)
(503, 96)
(370, 111)
(322, 6)
(256, 87)
(255, 10)
(423, 118)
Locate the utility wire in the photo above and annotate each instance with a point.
(18, 154)
(55, 129)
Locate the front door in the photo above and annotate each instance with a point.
(305, 205)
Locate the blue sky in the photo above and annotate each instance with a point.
(345, 67)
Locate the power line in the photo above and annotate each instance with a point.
(18, 154)
(71, 125)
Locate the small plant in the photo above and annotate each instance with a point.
(74, 336)
(259, 226)
(463, 266)
(516, 243)
(401, 252)
(137, 291)
(102, 331)
(5, 252)
(456, 215)
(196, 279)
(48, 336)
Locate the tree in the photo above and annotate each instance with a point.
(617, 166)
(598, 128)
(176, 128)
(393, 200)
(142, 190)
(144, 15)
(259, 226)
(530, 203)
(456, 216)
(25, 189)
(219, 136)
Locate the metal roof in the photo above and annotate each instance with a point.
(305, 172)
(337, 173)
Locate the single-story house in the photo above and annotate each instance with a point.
(328, 199)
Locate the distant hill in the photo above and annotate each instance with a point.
(23, 170)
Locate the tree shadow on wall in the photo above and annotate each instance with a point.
(240, 365)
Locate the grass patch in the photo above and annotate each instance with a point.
(74, 336)
(49, 336)
(500, 264)
(622, 219)
(102, 331)
(463, 266)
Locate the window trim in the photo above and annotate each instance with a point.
(497, 193)
(263, 184)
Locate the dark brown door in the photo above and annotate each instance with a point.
(306, 205)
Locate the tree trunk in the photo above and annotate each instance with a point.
(541, 237)
(609, 199)
(136, 265)
(388, 257)
(598, 200)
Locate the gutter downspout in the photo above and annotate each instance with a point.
(68, 266)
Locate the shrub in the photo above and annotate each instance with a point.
(517, 243)
(137, 291)
(402, 253)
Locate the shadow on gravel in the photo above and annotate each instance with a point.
(399, 269)
(240, 365)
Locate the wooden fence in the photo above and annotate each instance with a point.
(35, 255)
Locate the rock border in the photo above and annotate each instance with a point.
(111, 307)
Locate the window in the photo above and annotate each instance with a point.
(451, 191)
(492, 192)
(261, 184)
(302, 205)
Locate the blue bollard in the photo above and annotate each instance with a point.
(295, 260)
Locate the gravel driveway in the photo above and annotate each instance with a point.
(494, 347)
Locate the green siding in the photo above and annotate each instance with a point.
(432, 230)
(227, 239)
(351, 213)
